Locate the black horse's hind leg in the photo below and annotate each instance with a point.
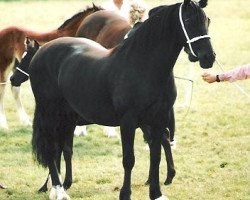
(67, 153)
(155, 158)
(165, 142)
(168, 153)
(127, 136)
(147, 138)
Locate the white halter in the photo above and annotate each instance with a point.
(20, 70)
(189, 41)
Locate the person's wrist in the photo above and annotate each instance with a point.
(217, 78)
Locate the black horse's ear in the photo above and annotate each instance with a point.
(203, 3)
(27, 41)
(154, 10)
(186, 3)
(36, 44)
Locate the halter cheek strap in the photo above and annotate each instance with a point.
(20, 70)
(189, 41)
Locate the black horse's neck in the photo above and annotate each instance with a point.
(158, 41)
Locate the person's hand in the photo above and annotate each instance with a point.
(210, 78)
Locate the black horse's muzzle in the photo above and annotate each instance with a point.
(17, 79)
(206, 58)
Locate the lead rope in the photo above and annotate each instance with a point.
(234, 83)
(190, 95)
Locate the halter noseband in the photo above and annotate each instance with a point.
(189, 41)
(20, 70)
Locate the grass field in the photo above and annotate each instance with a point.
(213, 140)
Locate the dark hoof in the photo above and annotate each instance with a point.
(147, 182)
(168, 182)
(67, 185)
(124, 195)
(43, 189)
(3, 186)
(170, 177)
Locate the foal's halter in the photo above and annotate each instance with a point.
(20, 70)
(189, 41)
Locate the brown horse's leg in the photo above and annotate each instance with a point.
(23, 116)
(3, 121)
(19, 50)
(3, 79)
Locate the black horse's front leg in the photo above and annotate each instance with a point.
(127, 136)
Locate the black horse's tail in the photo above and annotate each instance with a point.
(40, 138)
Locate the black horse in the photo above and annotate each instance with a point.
(128, 86)
(108, 29)
(21, 74)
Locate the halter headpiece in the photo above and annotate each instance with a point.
(189, 41)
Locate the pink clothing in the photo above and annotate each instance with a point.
(239, 73)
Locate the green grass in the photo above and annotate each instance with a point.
(212, 155)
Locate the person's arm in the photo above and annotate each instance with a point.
(239, 73)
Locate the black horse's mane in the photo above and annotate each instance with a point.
(152, 30)
(80, 14)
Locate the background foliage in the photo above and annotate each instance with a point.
(213, 140)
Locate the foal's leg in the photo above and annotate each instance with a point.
(127, 136)
(23, 117)
(3, 121)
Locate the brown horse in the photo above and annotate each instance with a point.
(105, 27)
(12, 47)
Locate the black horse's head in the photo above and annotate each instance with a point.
(194, 25)
(21, 74)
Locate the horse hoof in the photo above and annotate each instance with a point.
(42, 190)
(162, 198)
(80, 131)
(110, 131)
(147, 182)
(167, 182)
(58, 193)
(67, 185)
(173, 144)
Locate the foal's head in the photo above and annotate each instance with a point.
(21, 74)
(194, 23)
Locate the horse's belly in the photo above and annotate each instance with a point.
(103, 115)
(93, 105)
